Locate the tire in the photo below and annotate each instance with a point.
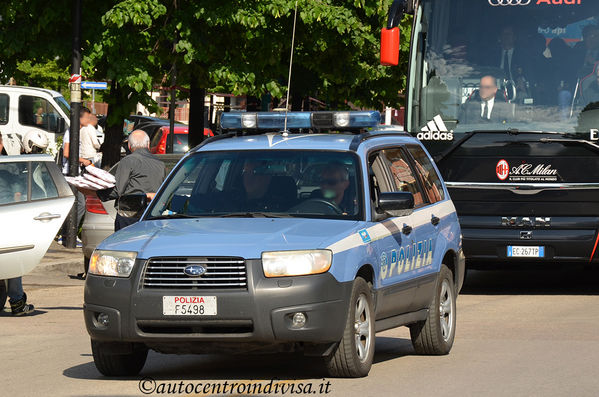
(435, 335)
(352, 357)
(112, 364)
(3, 294)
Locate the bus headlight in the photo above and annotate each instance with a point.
(296, 263)
(112, 263)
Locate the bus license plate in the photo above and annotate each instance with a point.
(189, 305)
(525, 252)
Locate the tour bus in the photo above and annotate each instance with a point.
(505, 95)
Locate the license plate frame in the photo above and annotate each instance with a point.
(521, 251)
(178, 305)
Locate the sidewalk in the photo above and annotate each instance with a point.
(59, 267)
(61, 259)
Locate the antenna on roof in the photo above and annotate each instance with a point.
(285, 132)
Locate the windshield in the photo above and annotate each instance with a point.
(529, 65)
(283, 183)
(63, 105)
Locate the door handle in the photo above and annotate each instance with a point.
(46, 216)
(435, 220)
(406, 229)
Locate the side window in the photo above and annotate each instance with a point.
(37, 112)
(402, 175)
(432, 183)
(4, 99)
(42, 185)
(13, 182)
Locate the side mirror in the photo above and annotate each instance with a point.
(132, 205)
(60, 125)
(396, 203)
(390, 39)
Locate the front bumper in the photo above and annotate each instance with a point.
(259, 314)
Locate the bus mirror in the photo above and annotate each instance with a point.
(390, 46)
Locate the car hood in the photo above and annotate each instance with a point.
(243, 237)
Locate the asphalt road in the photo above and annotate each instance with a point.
(519, 333)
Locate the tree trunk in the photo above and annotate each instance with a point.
(113, 135)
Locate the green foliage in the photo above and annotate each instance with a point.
(235, 46)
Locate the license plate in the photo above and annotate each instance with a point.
(525, 252)
(189, 305)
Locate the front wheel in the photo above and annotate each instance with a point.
(435, 335)
(352, 357)
(110, 362)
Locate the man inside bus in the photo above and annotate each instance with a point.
(485, 105)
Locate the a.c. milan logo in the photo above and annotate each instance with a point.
(502, 169)
(496, 3)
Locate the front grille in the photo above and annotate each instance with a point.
(221, 272)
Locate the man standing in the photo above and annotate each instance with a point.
(486, 105)
(137, 173)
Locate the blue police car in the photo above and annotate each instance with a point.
(311, 239)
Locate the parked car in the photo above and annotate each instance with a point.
(34, 202)
(263, 240)
(180, 141)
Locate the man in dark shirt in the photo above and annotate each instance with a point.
(140, 172)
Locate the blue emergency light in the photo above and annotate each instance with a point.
(276, 120)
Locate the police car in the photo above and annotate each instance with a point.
(262, 240)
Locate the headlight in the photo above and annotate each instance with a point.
(112, 263)
(296, 263)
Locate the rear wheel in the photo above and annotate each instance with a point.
(110, 362)
(352, 358)
(435, 335)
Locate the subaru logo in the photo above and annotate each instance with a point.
(194, 270)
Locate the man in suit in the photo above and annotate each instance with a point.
(510, 58)
(486, 105)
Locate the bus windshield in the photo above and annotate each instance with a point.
(489, 65)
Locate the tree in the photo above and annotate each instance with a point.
(231, 46)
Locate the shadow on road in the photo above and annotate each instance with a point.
(36, 312)
(283, 366)
(533, 279)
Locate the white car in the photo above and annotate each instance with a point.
(34, 202)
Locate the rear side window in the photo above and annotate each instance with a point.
(432, 184)
(42, 185)
(4, 109)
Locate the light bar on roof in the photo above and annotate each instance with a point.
(276, 120)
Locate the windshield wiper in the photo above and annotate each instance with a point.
(254, 215)
(173, 216)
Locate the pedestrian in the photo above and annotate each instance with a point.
(140, 172)
(2, 151)
(18, 297)
(84, 120)
(89, 143)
